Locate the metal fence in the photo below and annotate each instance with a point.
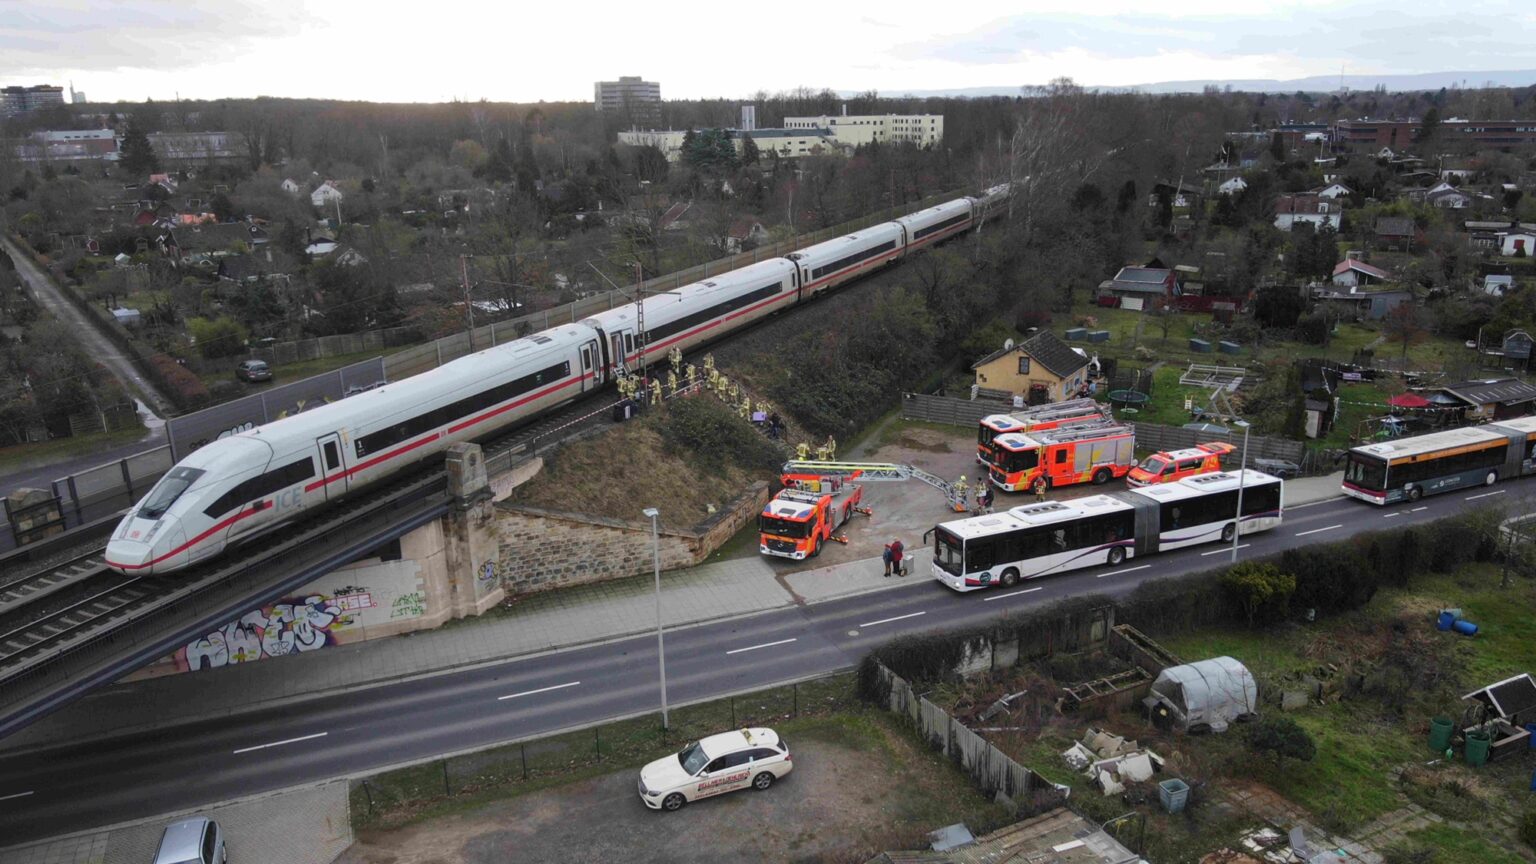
(191, 431)
(992, 770)
(336, 346)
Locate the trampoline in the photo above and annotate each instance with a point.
(1131, 400)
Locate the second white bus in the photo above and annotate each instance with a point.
(1053, 537)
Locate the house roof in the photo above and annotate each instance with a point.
(674, 213)
(1360, 267)
(1394, 226)
(1504, 391)
(1302, 204)
(744, 227)
(1141, 280)
(1044, 348)
(212, 238)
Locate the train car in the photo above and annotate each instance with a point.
(828, 265)
(694, 314)
(237, 487)
(927, 227)
(990, 202)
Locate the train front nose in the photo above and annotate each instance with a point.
(137, 557)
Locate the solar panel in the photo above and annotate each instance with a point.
(1515, 696)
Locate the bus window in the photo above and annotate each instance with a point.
(1059, 540)
(946, 552)
(979, 555)
(1366, 473)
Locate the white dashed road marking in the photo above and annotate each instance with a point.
(889, 620)
(1014, 593)
(764, 645)
(1319, 530)
(281, 743)
(540, 690)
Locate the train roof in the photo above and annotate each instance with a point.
(838, 245)
(433, 383)
(680, 299)
(1034, 515)
(1434, 441)
(937, 210)
(1526, 425)
(1204, 484)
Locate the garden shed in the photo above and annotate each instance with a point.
(1206, 695)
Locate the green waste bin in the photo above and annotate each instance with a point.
(1477, 748)
(1440, 729)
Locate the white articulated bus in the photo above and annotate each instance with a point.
(1057, 536)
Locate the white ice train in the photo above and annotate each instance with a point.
(236, 487)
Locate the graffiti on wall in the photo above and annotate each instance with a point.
(289, 626)
(412, 605)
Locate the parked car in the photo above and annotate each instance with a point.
(198, 840)
(1282, 468)
(713, 766)
(253, 370)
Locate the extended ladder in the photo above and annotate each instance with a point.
(870, 471)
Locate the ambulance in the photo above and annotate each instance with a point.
(1171, 465)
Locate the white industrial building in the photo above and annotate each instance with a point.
(924, 130)
(788, 143)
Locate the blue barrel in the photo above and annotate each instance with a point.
(1531, 742)
(1445, 621)
(1465, 627)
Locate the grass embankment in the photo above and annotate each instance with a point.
(691, 455)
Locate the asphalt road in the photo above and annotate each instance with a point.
(92, 341)
(63, 789)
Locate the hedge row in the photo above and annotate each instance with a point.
(1330, 578)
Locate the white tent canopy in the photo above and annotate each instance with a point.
(1207, 693)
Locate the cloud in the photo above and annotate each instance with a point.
(137, 34)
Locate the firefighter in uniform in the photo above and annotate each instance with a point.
(961, 492)
(672, 381)
(802, 451)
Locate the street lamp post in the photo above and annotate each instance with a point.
(661, 651)
(1237, 525)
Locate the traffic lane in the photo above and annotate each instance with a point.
(160, 773)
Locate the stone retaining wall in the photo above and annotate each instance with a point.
(543, 549)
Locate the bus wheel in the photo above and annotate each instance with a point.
(1415, 494)
(1010, 578)
(1228, 532)
(1117, 556)
(1492, 478)
(1101, 476)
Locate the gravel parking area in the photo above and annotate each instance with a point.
(856, 786)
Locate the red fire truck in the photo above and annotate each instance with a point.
(806, 514)
(1074, 454)
(1040, 418)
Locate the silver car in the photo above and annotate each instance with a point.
(192, 841)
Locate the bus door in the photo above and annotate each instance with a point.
(331, 465)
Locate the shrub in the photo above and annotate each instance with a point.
(1280, 738)
(1260, 589)
(185, 388)
(708, 430)
(220, 337)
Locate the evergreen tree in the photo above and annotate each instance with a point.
(749, 151)
(138, 157)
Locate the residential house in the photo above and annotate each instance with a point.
(1498, 284)
(326, 194)
(1181, 194)
(1519, 243)
(1232, 187)
(203, 245)
(1373, 305)
(745, 233)
(1333, 191)
(1446, 196)
(1493, 398)
(249, 269)
(1353, 272)
(1457, 175)
(1487, 235)
(1395, 232)
(164, 181)
(1042, 368)
(1147, 287)
(1291, 209)
(291, 186)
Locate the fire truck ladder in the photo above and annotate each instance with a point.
(1065, 434)
(870, 471)
(1069, 408)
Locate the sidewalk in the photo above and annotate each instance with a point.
(546, 622)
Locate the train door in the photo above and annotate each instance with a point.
(591, 377)
(617, 352)
(331, 465)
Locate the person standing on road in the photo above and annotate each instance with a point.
(886, 555)
(896, 552)
(1040, 487)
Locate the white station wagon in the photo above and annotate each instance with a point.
(713, 765)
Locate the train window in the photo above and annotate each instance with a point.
(167, 491)
(460, 409)
(332, 456)
(262, 485)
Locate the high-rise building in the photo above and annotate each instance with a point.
(20, 100)
(641, 100)
(79, 96)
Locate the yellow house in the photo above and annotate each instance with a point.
(1042, 368)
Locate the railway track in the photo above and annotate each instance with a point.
(19, 591)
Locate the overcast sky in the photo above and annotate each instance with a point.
(533, 49)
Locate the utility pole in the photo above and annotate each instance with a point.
(640, 314)
(469, 307)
